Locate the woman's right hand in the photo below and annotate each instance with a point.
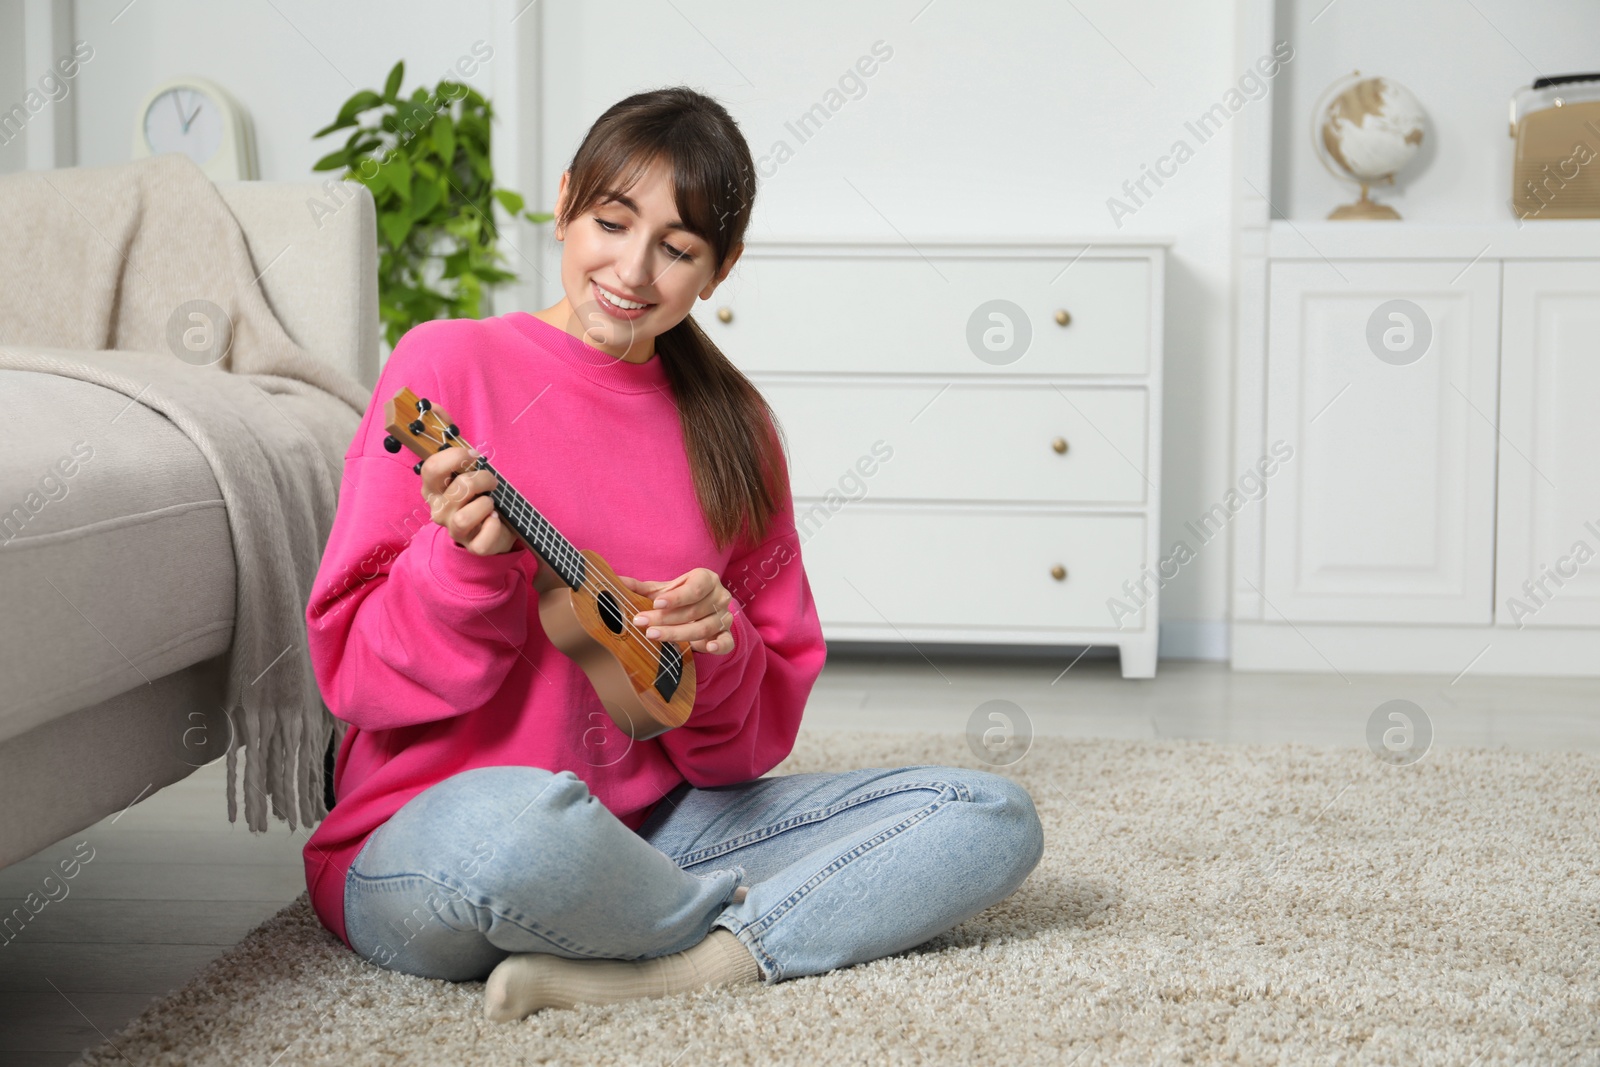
(458, 499)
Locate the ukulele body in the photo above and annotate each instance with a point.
(590, 626)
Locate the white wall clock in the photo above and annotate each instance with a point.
(200, 119)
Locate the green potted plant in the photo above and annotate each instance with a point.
(426, 161)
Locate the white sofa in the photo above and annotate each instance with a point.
(117, 584)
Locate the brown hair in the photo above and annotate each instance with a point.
(728, 426)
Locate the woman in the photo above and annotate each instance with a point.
(491, 821)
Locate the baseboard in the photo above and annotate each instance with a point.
(1416, 649)
(1203, 639)
(1196, 639)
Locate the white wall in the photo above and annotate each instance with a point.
(1462, 61)
(1000, 120)
(290, 64)
(13, 82)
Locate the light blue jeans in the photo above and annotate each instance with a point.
(841, 868)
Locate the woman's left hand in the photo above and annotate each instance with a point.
(692, 607)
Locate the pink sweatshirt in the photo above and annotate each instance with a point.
(437, 658)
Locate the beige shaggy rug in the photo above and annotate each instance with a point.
(1197, 903)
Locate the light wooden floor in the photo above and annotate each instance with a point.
(173, 884)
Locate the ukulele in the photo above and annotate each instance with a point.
(646, 685)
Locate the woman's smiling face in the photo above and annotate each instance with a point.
(631, 246)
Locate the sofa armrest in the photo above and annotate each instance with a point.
(317, 246)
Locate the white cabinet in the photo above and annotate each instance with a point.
(1441, 511)
(1549, 563)
(847, 309)
(970, 442)
(973, 433)
(1386, 511)
(933, 571)
(1439, 515)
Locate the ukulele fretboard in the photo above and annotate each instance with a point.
(556, 551)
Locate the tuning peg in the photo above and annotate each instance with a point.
(390, 443)
(418, 468)
(424, 404)
(416, 426)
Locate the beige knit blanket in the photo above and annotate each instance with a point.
(94, 261)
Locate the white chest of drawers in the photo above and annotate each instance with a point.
(974, 433)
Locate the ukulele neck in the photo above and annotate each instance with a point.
(559, 554)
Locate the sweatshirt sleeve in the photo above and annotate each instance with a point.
(404, 625)
(748, 703)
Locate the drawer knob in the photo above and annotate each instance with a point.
(725, 314)
(1058, 572)
(1059, 444)
(1062, 317)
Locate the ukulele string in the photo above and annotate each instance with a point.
(520, 510)
(575, 560)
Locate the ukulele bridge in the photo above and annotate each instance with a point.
(669, 670)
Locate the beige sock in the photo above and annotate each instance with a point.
(525, 982)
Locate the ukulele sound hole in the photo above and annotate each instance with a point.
(610, 612)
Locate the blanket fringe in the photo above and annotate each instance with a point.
(283, 769)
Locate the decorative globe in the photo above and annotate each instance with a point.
(1369, 129)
